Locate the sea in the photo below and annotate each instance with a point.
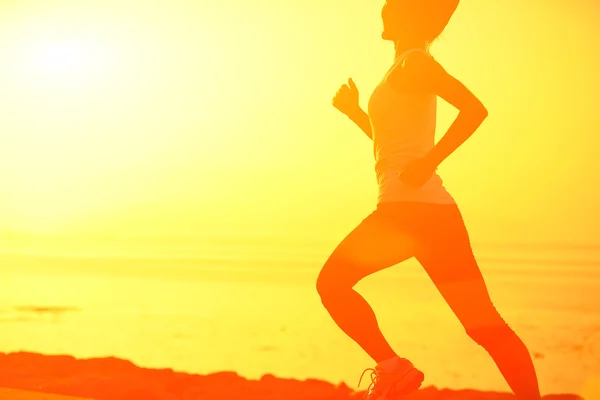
(254, 309)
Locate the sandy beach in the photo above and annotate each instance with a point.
(117, 379)
(185, 319)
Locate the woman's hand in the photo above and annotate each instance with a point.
(346, 99)
(417, 172)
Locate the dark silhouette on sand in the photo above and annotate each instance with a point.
(111, 378)
(415, 215)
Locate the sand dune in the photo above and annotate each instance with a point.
(115, 379)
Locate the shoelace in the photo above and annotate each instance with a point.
(374, 377)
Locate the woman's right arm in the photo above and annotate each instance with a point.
(346, 101)
(360, 118)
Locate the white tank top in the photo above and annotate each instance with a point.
(403, 126)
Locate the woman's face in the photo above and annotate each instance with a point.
(391, 15)
(414, 19)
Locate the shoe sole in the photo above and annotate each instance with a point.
(411, 382)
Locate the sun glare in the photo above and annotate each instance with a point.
(62, 59)
(60, 79)
(65, 61)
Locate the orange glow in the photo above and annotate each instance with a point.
(142, 139)
(171, 110)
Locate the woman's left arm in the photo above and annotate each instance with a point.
(431, 76)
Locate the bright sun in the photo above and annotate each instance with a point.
(62, 60)
(60, 84)
(66, 61)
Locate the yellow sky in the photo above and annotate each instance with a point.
(136, 118)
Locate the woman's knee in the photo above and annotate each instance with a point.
(487, 328)
(492, 336)
(335, 278)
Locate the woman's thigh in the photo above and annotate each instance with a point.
(380, 241)
(446, 254)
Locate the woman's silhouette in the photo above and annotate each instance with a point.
(415, 215)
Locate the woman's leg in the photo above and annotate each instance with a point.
(447, 257)
(375, 244)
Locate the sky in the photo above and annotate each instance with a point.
(135, 120)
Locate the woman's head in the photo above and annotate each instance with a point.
(418, 21)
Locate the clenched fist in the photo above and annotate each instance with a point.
(346, 98)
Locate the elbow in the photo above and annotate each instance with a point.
(477, 112)
(480, 112)
(483, 112)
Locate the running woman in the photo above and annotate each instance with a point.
(415, 215)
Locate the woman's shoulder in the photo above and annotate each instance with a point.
(416, 70)
(420, 64)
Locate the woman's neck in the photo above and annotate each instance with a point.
(400, 46)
